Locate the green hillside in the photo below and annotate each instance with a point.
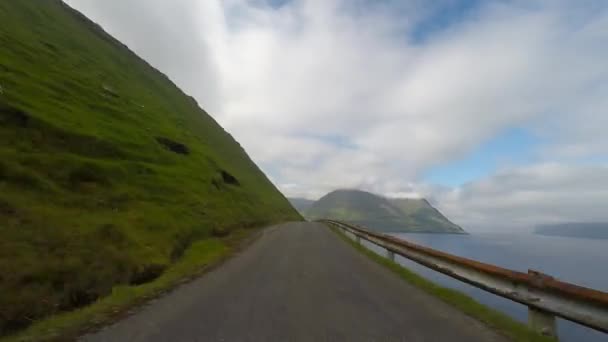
(383, 214)
(108, 172)
(424, 217)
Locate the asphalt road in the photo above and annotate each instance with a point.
(297, 282)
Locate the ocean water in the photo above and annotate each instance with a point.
(579, 261)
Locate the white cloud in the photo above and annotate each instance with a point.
(329, 94)
(520, 198)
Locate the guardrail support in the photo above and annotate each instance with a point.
(539, 320)
(358, 239)
(542, 322)
(390, 255)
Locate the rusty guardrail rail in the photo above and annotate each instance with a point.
(545, 296)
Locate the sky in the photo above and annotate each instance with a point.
(496, 111)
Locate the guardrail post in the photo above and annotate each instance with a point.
(358, 239)
(542, 322)
(390, 255)
(539, 320)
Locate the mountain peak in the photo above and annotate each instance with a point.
(382, 213)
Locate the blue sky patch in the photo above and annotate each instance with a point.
(515, 146)
(442, 17)
(341, 141)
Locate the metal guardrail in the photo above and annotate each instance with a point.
(545, 296)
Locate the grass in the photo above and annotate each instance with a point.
(108, 171)
(496, 320)
(197, 259)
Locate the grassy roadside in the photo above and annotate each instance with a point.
(201, 257)
(496, 320)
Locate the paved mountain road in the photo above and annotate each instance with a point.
(297, 282)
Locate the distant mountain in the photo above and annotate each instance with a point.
(301, 204)
(597, 230)
(382, 214)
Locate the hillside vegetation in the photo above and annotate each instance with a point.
(380, 213)
(108, 172)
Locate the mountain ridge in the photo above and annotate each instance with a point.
(301, 204)
(382, 213)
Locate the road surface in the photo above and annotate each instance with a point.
(297, 282)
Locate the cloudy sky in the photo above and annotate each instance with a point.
(497, 111)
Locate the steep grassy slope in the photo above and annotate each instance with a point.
(422, 216)
(108, 172)
(394, 215)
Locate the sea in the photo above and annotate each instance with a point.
(576, 260)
